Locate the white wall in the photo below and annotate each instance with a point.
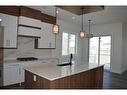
(124, 49)
(69, 28)
(26, 45)
(115, 30)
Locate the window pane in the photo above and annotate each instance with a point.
(93, 56)
(65, 44)
(72, 44)
(105, 43)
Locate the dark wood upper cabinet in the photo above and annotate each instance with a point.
(36, 14)
(48, 19)
(10, 10)
(29, 12)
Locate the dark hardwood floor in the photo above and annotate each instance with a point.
(114, 81)
(110, 81)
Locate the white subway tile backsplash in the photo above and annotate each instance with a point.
(26, 48)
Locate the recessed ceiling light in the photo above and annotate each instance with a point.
(73, 17)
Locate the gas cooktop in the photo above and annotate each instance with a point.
(26, 59)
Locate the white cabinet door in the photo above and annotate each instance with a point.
(29, 21)
(9, 24)
(47, 39)
(29, 27)
(11, 74)
(26, 31)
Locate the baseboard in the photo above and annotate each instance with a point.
(14, 86)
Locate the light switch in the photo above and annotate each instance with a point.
(35, 78)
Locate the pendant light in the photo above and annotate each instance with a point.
(89, 35)
(55, 26)
(82, 33)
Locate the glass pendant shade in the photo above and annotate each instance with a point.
(82, 34)
(89, 35)
(55, 29)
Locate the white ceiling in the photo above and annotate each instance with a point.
(110, 14)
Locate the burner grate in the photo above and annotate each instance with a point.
(27, 59)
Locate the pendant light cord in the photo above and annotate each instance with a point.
(89, 25)
(82, 19)
(56, 13)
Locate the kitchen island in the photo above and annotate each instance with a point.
(51, 76)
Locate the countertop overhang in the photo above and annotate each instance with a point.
(53, 72)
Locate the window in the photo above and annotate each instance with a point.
(68, 44)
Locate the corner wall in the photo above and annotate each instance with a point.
(124, 49)
(115, 30)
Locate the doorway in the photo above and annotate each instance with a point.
(100, 50)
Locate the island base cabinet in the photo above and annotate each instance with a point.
(35, 82)
(91, 79)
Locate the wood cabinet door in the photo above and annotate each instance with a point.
(9, 24)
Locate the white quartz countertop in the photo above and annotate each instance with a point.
(52, 71)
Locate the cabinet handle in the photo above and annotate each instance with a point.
(8, 42)
(50, 44)
(19, 71)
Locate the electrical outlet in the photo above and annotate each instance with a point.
(35, 78)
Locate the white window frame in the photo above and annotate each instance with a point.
(69, 43)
